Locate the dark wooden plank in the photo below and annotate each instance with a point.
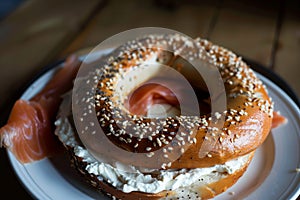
(189, 18)
(247, 28)
(287, 62)
(33, 35)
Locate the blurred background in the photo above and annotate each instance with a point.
(35, 33)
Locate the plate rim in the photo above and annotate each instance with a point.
(55, 65)
(297, 110)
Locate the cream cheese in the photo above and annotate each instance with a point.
(134, 179)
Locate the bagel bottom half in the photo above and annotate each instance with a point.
(200, 191)
(214, 182)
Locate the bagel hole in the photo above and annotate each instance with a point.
(159, 75)
(153, 100)
(158, 103)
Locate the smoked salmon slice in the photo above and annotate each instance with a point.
(278, 119)
(147, 95)
(29, 132)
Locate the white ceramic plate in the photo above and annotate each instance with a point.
(271, 175)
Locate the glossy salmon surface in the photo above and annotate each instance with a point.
(29, 132)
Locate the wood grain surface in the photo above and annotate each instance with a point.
(38, 33)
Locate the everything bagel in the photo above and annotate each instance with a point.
(198, 157)
(248, 115)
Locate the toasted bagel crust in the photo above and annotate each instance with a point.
(247, 118)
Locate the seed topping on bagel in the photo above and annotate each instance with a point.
(248, 115)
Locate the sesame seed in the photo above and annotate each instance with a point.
(237, 118)
(158, 142)
(195, 140)
(221, 139)
(182, 150)
(148, 149)
(150, 154)
(179, 137)
(165, 142)
(218, 115)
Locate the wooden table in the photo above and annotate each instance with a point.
(38, 33)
